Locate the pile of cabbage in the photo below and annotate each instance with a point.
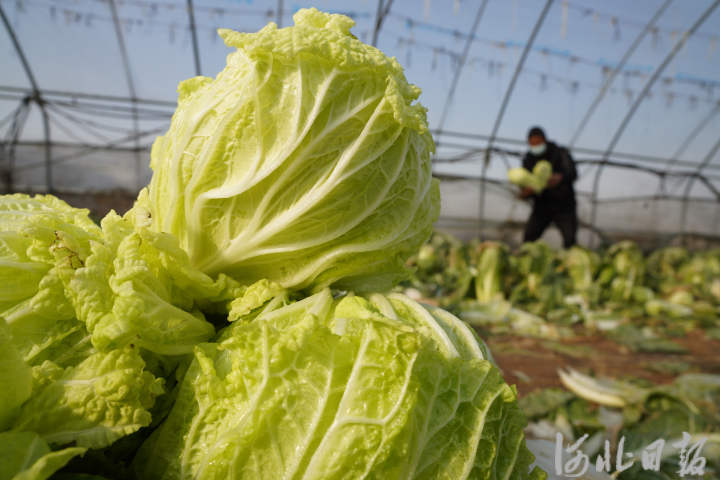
(238, 321)
(538, 291)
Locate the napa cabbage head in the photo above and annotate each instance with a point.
(373, 386)
(306, 161)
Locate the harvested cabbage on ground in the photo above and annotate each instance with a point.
(637, 299)
(197, 336)
(440, 270)
(640, 412)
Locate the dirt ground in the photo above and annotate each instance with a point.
(532, 363)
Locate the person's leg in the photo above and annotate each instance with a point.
(567, 223)
(536, 225)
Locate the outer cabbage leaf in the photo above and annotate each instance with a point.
(305, 161)
(34, 233)
(375, 387)
(44, 326)
(25, 456)
(19, 274)
(256, 295)
(18, 211)
(15, 377)
(138, 287)
(103, 398)
(40, 237)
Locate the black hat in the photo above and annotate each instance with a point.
(536, 131)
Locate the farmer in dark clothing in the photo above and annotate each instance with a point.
(556, 204)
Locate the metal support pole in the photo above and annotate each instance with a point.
(481, 199)
(380, 14)
(12, 139)
(280, 13)
(610, 78)
(633, 108)
(461, 64)
(504, 104)
(193, 32)
(48, 148)
(131, 89)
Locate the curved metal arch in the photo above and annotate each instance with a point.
(19, 51)
(691, 181)
(610, 78)
(688, 140)
(503, 106)
(633, 108)
(461, 64)
(692, 135)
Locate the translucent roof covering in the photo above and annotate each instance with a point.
(633, 88)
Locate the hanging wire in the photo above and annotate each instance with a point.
(68, 131)
(89, 124)
(567, 55)
(95, 148)
(112, 111)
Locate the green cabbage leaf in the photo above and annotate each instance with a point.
(25, 456)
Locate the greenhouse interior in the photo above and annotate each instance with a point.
(392, 239)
